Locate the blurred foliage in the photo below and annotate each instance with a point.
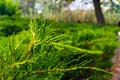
(55, 9)
(13, 24)
(115, 7)
(7, 7)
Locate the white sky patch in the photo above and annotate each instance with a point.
(38, 7)
(116, 1)
(58, 1)
(81, 5)
(88, 5)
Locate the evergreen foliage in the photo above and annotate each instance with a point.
(50, 50)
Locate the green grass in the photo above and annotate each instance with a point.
(49, 50)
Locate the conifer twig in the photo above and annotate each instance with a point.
(68, 69)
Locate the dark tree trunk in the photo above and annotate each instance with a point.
(98, 12)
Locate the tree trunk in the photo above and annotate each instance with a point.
(98, 12)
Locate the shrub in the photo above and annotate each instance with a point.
(7, 7)
(12, 24)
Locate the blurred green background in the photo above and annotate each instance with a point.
(56, 44)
